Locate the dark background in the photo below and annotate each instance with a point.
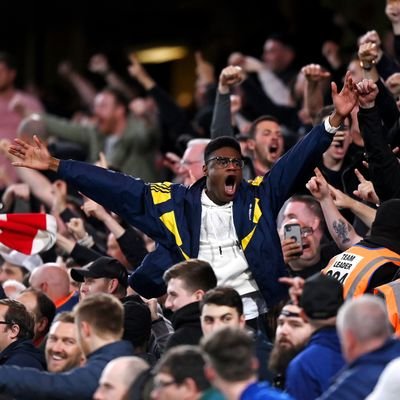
(40, 36)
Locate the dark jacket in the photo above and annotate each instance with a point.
(24, 354)
(186, 323)
(79, 383)
(171, 214)
(357, 380)
(383, 164)
(311, 372)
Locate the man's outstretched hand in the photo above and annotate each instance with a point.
(344, 101)
(34, 156)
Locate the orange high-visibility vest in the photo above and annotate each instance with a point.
(391, 294)
(355, 267)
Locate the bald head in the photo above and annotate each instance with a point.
(118, 376)
(192, 162)
(363, 326)
(51, 279)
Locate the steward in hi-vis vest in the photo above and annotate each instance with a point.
(362, 268)
(373, 264)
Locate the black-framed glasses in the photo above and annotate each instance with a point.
(306, 231)
(6, 323)
(162, 384)
(223, 162)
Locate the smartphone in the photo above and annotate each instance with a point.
(293, 231)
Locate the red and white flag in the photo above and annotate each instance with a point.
(27, 233)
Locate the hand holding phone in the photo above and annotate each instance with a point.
(293, 231)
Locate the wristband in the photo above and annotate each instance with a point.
(367, 66)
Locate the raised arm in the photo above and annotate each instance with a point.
(365, 213)
(296, 166)
(84, 88)
(392, 11)
(340, 229)
(129, 197)
(365, 190)
(33, 156)
(313, 91)
(222, 119)
(92, 209)
(173, 119)
(344, 101)
(383, 164)
(38, 184)
(99, 64)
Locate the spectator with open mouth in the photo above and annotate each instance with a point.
(221, 218)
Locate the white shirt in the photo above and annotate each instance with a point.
(220, 246)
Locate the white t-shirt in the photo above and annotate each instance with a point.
(220, 246)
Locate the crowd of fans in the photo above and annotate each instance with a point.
(249, 252)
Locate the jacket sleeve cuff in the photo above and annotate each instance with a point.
(328, 127)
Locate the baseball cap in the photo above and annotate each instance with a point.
(103, 267)
(322, 297)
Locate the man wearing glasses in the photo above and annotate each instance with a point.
(312, 255)
(221, 218)
(16, 334)
(180, 375)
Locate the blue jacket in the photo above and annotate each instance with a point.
(312, 371)
(357, 380)
(171, 213)
(79, 383)
(263, 391)
(23, 353)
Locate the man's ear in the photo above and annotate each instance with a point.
(14, 331)
(199, 294)
(255, 364)
(350, 341)
(44, 286)
(209, 372)
(316, 223)
(120, 111)
(112, 285)
(85, 329)
(205, 170)
(191, 387)
(42, 324)
(251, 144)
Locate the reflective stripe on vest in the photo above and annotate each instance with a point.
(355, 267)
(391, 295)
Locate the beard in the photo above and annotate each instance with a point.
(280, 357)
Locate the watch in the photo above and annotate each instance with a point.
(367, 66)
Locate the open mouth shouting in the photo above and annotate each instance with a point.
(274, 151)
(230, 185)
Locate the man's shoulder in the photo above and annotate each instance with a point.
(24, 354)
(261, 391)
(112, 350)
